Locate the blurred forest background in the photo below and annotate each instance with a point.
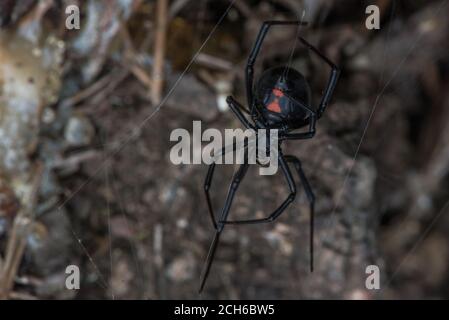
(86, 179)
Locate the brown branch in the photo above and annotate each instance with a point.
(22, 296)
(90, 90)
(132, 61)
(213, 62)
(176, 7)
(159, 51)
(76, 159)
(17, 239)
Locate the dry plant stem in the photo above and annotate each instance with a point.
(177, 6)
(76, 159)
(22, 296)
(158, 258)
(159, 51)
(109, 89)
(214, 62)
(14, 252)
(207, 77)
(132, 62)
(17, 239)
(141, 75)
(89, 91)
(34, 18)
(245, 10)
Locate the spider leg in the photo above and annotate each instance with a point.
(310, 197)
(207, 183)
(276, 213)
(210, 175)
(255, 51)
(236, 107)
(332, 82)
(237, 178)
(302, 135)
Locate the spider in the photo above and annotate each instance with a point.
(280, 100)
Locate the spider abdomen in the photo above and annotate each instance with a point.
(278, 92)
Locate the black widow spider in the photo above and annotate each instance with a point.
(282, 101)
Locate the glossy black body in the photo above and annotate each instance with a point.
(281, 100)
(277, 94)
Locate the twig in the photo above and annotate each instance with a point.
(22, 296)
(245, 10)
(141, 75)
(31, 25)
(17, 239)
(103, 94)
(159, 51)
(76, 159)
(176, 7)
(132, 61)
(214, 62)
(158, 258)
(89, 91)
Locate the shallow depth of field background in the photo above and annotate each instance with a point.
(86, 178)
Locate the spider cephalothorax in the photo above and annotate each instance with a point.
(281, 101)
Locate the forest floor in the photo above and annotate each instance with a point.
(109, 200)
